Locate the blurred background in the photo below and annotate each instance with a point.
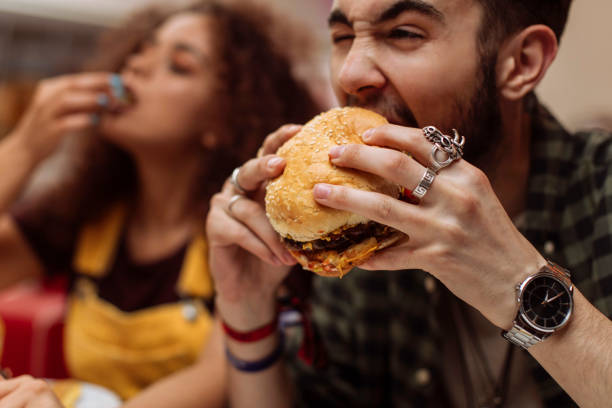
(43, 38)
(40, 38)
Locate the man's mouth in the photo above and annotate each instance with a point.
(395, 113)
(393, 117)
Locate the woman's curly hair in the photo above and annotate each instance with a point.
(258, 92)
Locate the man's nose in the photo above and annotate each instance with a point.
(360, 73)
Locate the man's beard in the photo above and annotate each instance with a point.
(481, 123)
(480, 119)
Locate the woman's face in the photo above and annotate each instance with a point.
(173, 84)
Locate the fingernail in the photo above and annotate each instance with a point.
(276, 261)
(322, 190)
(115, 80)
(103, 100)
(116, 86)
(336, 151)
(293, 128)
(274, 162)
(94, 119)
(367, 134)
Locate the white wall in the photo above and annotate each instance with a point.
(578, 87)
(97, 12)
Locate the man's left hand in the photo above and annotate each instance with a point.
(459, 232)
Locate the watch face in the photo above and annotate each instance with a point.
(546, 303)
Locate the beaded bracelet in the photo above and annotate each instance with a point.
(252, 335)
(257, 365)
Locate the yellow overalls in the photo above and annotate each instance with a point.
(127, 351)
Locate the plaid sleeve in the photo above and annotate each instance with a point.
(571, 221)
(599, 287)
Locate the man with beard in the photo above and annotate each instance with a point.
(491, 229)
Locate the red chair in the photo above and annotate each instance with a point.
(33, 316)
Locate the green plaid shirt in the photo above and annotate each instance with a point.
(382, 332)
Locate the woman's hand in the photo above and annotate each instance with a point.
(459, 232)
(247, 259)
(27, 392)
(61, 106)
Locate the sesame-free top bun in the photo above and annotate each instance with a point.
(290, 204)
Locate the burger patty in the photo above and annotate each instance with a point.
(341, 239)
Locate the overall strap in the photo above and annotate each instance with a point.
(194, 279)
(97, 242)
(97, 246)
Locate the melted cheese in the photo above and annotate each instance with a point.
(332, 263)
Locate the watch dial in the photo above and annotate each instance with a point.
(546, 302)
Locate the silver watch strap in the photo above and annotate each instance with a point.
(521, 337)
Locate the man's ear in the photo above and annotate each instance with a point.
(524, 59)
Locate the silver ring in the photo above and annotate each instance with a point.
(443, 144)
(436, 164)
(231, 202)
(234, 181)
(423, 187)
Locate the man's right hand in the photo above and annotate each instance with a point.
(247, 259)
(61, 106)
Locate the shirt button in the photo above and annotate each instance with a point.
(430, 284)
(549, 247)
(190, 313)
(422, 376)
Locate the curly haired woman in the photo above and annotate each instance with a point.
(197, 91)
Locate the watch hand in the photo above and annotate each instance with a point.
(546, 298)
(553, 298)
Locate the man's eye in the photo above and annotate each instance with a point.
(400, 33)
(339, 38)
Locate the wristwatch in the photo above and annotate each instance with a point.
(545, 302)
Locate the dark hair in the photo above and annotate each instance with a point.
(502, 18)
(258, 93)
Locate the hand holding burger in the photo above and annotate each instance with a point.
(327, 241)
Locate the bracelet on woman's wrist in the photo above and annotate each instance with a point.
(257, 365)
(250, 336)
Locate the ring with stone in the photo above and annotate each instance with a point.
(444, 150)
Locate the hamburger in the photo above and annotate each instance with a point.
(325, 240)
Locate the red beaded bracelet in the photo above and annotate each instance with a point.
(252, 335)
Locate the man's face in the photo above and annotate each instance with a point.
(417, 63)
